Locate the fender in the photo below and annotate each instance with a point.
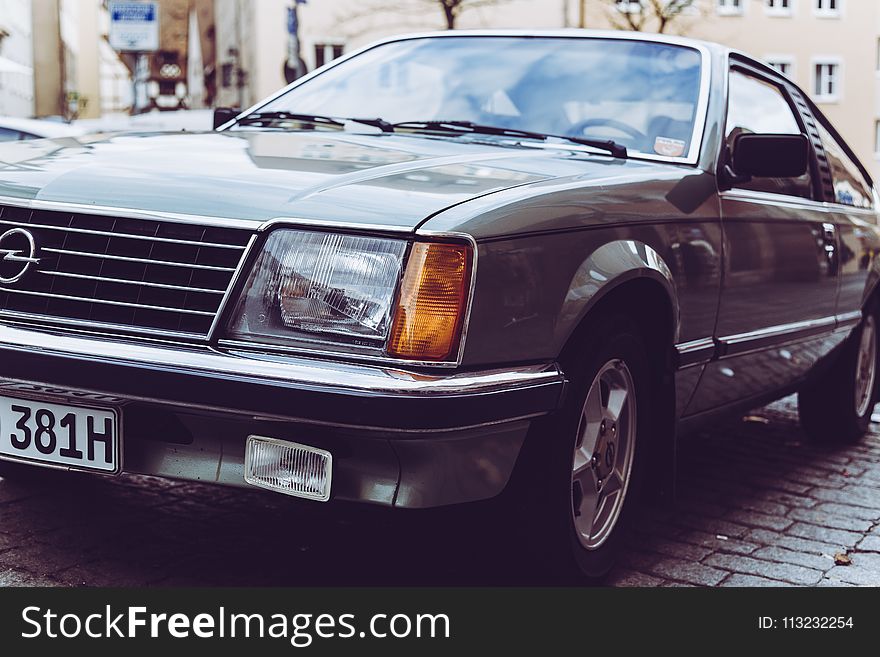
(606, 269)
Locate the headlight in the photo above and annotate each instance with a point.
(309, 286)
(320, 285)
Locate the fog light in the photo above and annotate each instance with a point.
(288, 468)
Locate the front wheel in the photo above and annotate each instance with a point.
(579, 475)
(604, 451)
(837, 407)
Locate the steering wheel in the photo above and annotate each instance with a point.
(580, 128)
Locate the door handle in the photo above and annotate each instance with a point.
(829, 246)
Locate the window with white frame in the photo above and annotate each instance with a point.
(827, 80)
(629, 6)
(779, 7)
(328, 50)
(827, 8)
(782, 63)
(730, 7)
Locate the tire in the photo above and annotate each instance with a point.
(836, 407)
(610, 382)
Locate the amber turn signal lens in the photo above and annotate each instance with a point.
(433, 298)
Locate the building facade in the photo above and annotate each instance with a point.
(54, 59)
(16, 58)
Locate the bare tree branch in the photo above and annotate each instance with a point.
(450, 10)
(639, 16)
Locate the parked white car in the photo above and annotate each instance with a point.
(15, 129)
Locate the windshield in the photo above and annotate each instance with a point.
(640, 94)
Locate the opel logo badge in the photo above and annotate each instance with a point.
(18, 251)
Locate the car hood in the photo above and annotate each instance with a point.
(391, 180)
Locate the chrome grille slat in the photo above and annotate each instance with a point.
(104, 233)
(124, 282)
(145, 261)
(130, 275)
(125, 304)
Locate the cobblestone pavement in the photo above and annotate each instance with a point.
(757, 506)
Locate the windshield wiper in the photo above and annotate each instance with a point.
(462, 127)
(469, 127)
(315, 119)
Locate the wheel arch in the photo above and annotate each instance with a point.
(629, 277)
(636, 282)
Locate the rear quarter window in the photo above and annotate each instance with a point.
(850, 186)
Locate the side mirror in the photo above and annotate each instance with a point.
(770, 156)
(224, 115)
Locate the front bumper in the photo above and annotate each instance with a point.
(398, 438)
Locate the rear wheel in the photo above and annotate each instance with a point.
(837, 407)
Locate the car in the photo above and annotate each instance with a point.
(504, 270)
(16, 129)
(198, 120)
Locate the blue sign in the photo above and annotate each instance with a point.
(141, 12)
(134, 26)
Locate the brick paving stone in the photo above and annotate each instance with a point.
(765, 507)
(754, 519)
(688, 571)
(868, 498)
(856, 575)
(713, 525)
(748, 566)
(714, 543)
(794, 543)
(783, 555)
(788, 499)
(831, 520)
(825, 534)
(677, 549)
(15, 577)
(849, 511)
(869, 544)
(620, 577)
(740, 580)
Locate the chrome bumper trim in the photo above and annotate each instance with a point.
(300, 372)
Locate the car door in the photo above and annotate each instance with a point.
(851, 196)
(780, 274)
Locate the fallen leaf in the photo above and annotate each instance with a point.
(842, 559)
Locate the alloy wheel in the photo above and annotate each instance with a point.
(603, 454)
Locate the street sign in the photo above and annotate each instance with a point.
(134, 26)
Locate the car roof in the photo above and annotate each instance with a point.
(570, 32)
(40, 127)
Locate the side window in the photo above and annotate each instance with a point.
(756, 106)
(850, 186)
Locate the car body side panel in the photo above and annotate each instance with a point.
(536, 285)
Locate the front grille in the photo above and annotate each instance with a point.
(131, 274)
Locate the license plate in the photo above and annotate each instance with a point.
(59, 434)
